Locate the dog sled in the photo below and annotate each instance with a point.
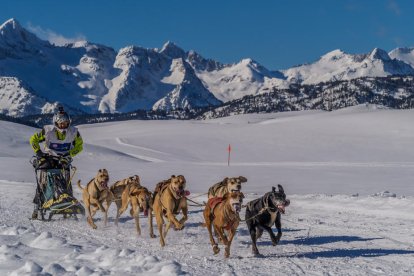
(54, 194)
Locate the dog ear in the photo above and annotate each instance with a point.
(242, 179)
(281, 190)
(173, 176)
(225, 180)
(273, 189)
(100, 170)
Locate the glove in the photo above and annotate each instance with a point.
(40, 154)
(65, 159)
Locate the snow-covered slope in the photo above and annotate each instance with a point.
(336, 168)
(154, 80)
(189, 93)
(338, 65)
(17, 100)
(404, 54)
(238, 80)
(73, 75)
(91, 77)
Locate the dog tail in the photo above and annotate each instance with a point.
(79, 185)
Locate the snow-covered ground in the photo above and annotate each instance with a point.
(335, 167)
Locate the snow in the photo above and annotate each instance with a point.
(404, 54)
(347, 173)
(238, 80)
(338, 65)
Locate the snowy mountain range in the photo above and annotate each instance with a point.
(36, 75)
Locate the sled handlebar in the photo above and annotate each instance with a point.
(50, 162)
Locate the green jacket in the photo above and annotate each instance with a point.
(39, 137)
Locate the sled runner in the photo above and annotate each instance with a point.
(54, 190)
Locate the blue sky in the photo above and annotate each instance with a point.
(277, 34)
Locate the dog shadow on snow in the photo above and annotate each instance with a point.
(128, 218)
(245, 232)
(354, 253)
(320, 252)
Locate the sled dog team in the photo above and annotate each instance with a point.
(221, 212)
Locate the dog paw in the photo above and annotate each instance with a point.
(275, 241)
(179, 226)
(152, 236)
(216, 249)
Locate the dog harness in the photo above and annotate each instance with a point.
(162, 187)
(213, 203)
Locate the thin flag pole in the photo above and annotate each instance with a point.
(228, 159)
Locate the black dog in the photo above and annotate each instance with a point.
(263, 212)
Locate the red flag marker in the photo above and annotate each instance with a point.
(228, 159)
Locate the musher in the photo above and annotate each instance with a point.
(61, 140)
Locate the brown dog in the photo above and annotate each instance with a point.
(118, 189)
(95, 194)
(229, 184)
(169, 199)
(223, 215)
(141, 200)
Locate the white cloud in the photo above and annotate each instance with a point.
(393, 6)
(53, 37)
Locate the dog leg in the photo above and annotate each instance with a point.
(118, 212)
(253, 235)
(259, 232)
(223, 237)
(173, 219)
(160, 221)
(108, 203)
(124, 200)
(185, 215)
(278, 225)
(151, 227)
(90, 217)
(252, 230)
(135, 214)
(231, 236)
(95, 201)
(271, 234)
(167, 227)
(208, 220)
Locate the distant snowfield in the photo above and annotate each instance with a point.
(348, 173)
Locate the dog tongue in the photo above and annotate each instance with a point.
(281, 208)
(146, 213)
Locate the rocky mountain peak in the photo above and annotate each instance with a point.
(172, 50)
(379, 54)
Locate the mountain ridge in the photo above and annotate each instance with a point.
(94, 78)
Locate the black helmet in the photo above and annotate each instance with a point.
(61, 117)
